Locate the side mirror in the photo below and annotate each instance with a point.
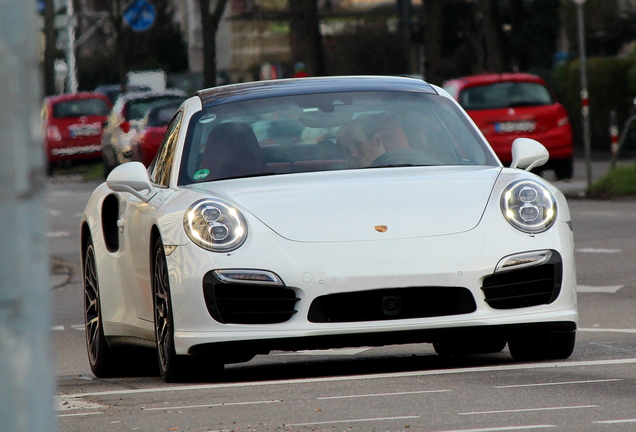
(131, 177)
(528, 154)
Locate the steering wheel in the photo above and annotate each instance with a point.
(406, 156)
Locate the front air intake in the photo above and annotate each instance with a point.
(530, 286)
(248, 303)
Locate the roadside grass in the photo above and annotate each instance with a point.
(618, 182)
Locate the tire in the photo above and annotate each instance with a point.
(564, 169)
(544, 345)
(101, 357)
(472, 345)
(173, 367)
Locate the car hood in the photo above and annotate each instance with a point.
(360, 205)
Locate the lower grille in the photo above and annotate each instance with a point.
(247, 303)
(392, 304)
(526, 287)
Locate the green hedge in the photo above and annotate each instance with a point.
(610, 88)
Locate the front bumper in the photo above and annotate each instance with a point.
(317, 270)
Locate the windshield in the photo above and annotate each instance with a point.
(505, 95)
(137, 108)
(80, 108)
(325, 132)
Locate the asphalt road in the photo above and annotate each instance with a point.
(393, 388)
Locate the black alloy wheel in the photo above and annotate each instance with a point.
(100, 355)
(174, 367)
(171, 366)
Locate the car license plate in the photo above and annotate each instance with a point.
(84, 130)
(515, 126)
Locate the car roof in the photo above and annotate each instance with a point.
(484, 79)
(75, 96)
(299, 86)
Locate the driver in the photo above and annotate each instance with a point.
(361, 140)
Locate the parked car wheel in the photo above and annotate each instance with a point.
(564, 169)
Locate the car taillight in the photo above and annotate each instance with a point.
(53, 133)
(562, 121)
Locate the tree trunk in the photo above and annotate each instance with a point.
(50, 36)
(305, 37)
(433, 40)
(497, 58)
(209, 28)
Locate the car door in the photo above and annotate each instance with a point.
(137, 218)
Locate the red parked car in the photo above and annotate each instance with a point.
(509, 106)
(73, 126)
(152, 130)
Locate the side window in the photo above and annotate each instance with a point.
(160, 169)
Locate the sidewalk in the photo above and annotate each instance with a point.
(577, 186)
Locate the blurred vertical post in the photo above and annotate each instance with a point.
(26, 360)
(70, 50)
(585, 102)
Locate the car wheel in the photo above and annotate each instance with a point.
(173, 367)
(472, 345)
(542, 345)
(100, 355)
(564, 169)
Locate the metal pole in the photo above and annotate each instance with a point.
(26, 358)
(70, 53)
(585, 103)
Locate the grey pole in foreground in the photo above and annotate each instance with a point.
(585, 103)
(26, 359)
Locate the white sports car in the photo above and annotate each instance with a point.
(326, 212)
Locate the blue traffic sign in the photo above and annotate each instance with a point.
(140, 15)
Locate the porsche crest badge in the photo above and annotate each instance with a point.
(381, 228)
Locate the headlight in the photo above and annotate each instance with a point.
(528, 206)
(215, 225)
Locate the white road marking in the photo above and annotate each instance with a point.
(57, 328)
(382, 394)
(504, 428)
(211, 405)
(79, 414)
(78, 327)
(611, 289)
(65, 403)
(352, 421)
(497, 368)
(558, 383)
(54, 212)
(58, 234)
(615, 421)
(329, 352)
(601, 330)
(598, 250)
(610, 347)
(529, 410)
